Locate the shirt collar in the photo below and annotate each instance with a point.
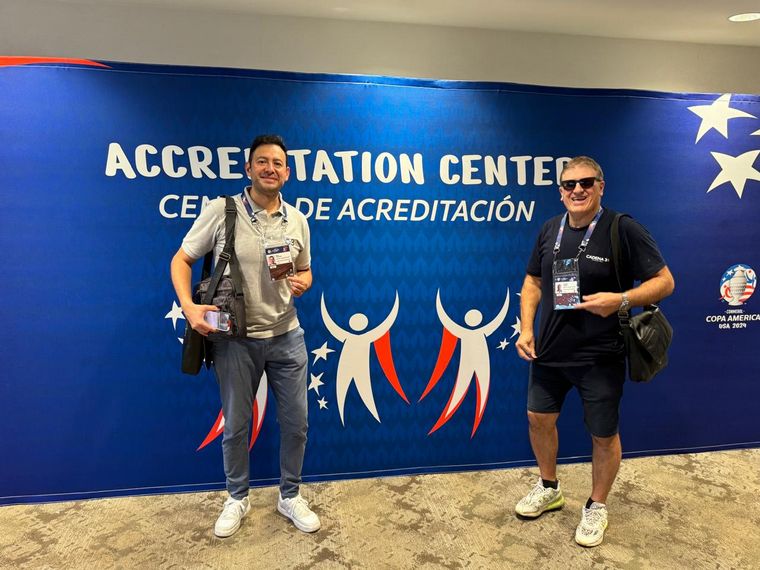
(258, 209)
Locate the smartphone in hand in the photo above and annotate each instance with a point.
(218, 319)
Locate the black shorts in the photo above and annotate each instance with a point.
(600, 386)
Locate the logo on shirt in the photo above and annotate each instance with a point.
(597, 258)
(737, 284)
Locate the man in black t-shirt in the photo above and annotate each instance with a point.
(570, 274)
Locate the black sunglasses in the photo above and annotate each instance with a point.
(586, 183)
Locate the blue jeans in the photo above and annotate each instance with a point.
(239, 365)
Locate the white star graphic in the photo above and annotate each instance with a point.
(503, 344)
(174, 314)
(321, 352)
(736, 170)
(516, 327)
(716, 116)
(757, 132)
(316, 383)
(322, 403)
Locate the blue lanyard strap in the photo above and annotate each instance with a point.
(586, 238)
(248, 207)
(252, 215)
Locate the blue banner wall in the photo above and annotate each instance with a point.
(428, 192)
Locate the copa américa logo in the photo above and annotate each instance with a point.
(736, 287)
(737, 284)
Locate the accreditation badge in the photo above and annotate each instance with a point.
(566, 281)
(279, 260)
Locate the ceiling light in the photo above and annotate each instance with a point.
(748, 17)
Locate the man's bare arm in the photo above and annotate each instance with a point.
(654, 289)
(300, 282)
(181, 272)
(530, 296)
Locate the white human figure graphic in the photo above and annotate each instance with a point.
(353, 363)
(473, 360)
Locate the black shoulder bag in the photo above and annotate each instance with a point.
(220, 290)
(648, 334)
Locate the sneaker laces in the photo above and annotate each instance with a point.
(300, 507)
(536, 494)
(230, 506)
(593, 517)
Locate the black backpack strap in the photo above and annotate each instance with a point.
(228, 253)
(207, 265)
(617, 257)
(616, 251)
(228, 257)
(229, 245)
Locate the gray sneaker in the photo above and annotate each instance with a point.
(539, 500)
(590, 531)
(229, 521)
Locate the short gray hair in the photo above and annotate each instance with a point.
(583, 161)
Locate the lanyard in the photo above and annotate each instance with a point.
(586, 238)
(254, 221)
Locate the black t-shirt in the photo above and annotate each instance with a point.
(578, 337)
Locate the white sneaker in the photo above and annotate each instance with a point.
(297, 510)
(539, 500)
(590, 531)
(229, 521)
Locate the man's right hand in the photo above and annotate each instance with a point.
(194, 315)
(526, 346)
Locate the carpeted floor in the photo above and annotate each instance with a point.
(679, 511)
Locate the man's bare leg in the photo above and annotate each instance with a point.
(605, 462)
(545, 441)
(545, 495)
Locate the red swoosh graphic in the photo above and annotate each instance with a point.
(444, 417)
(385, 356)
(448, 344)
(214, 432)
(218, 428)
(12, 61)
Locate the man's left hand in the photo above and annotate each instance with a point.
(602, 304)
(298, 285)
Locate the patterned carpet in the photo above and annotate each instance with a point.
(679, 511)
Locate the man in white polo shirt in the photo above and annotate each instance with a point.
(266, 227)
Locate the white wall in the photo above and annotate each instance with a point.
(222, 39)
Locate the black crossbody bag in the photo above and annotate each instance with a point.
(647, 335)
(226, 292)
